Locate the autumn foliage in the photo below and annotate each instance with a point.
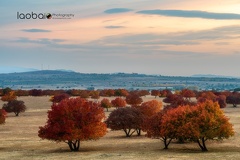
(59, 97)
(205, 121)
(9, 96)
(133, 99)
(3, 114)
(105, 103)
(72, 121)
(119, 102)
(150, 108)
(127, 119)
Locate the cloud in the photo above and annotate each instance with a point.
(117, 10)
(114, 27)
(35, 30)
(192, 14)
(39, 41)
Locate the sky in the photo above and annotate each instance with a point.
(166, 37)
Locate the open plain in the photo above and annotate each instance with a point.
(19, 140)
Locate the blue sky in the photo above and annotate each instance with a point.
(168, 37)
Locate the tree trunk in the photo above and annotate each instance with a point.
(74, 145)
(128, 132)
(166, 142)
(202, 145)
(138, 132)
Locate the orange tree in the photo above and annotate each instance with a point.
(127, 119)
(205, 121)
(2, 116)
(156, 129)
(105, 103)
(119, 102)
(9, 96)
(72, 121)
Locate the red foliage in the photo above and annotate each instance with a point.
(121, 92)
(127, 119)
(155, 93)
(134, 99)
(59, 97)
(72, 121)
(3, 115)
(233, 99)
(105, 103)
(186, 93)
(119, 102)
(36, 92)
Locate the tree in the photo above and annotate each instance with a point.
(207, 95)
(9, 96)
(221, 99)
(2, 116)
(233, 99)
(105, 103)
(188, 94)
(150, 108)
(133, 99)
(72, 121)
(84, 94)
(36, 92)
(208, 122)
(155, 93)
(14, 106)
(59, 97)
(205, 121)
(95, 95)
(119, 102)
(176, 101)
(127, 119)
(155, 129)
(121, 92)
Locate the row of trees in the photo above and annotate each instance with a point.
(75, 119)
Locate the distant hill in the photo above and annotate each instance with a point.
(212, 76)
(4, 69)
(62, 79)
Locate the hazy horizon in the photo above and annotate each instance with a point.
(169, 37)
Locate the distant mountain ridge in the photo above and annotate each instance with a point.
(67, 79)
(212, 76)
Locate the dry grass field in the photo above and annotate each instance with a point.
(19, 140)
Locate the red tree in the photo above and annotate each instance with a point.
(105, 103)
(155, 93)
(119, 102)
(72, 121)
(134, 99)
(127, 119)
(156, 129)
(188, 94)
(2, 116)
(233, 99)
(59, 97)
(14, 106)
